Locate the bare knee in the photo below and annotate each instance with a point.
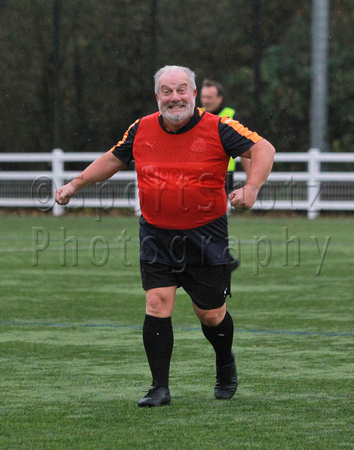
(210, 317)
(155, 304)
(160, 302)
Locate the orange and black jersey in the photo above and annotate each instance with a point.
(181, 176)
(235, 138)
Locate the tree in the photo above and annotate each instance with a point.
(105, 64)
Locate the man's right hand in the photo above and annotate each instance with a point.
(64, 194)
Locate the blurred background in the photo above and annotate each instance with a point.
(75, 74)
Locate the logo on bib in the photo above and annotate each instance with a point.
(199, 145)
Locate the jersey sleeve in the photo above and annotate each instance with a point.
(124, 149)
(235, 138)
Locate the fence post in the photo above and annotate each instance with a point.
(57, 178)
(137, 210)
(314, 185)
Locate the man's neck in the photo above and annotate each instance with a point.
(218, 110)
(186, 125)
(175, 126)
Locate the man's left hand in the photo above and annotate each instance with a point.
(244, 198)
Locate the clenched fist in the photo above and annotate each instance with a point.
(243, 198)
(64, 194)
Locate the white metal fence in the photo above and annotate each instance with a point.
(319, 187)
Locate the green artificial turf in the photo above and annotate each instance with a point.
(72, 364)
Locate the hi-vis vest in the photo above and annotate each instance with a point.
(227, 112)
(181, 177)
(230, 113)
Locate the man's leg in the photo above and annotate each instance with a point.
(218, 328)
(158, 343)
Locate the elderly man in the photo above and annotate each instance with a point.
(181, 155)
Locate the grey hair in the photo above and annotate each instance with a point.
(165, 69)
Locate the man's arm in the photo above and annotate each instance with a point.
(103, 168)
(246, 165)
(261, 155)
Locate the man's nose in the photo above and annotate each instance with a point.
(175, 96)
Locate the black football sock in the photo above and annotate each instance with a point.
(158, 343)
(221, 338)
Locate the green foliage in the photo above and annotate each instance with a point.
(109, 52)
(341, 73)
(286, 78)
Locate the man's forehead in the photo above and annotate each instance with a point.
(175, 78)
(210, 90)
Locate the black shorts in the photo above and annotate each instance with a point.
(207, 285)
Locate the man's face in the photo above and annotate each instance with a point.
(175, 97)
(210, 99)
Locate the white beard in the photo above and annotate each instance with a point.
(179, 117)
